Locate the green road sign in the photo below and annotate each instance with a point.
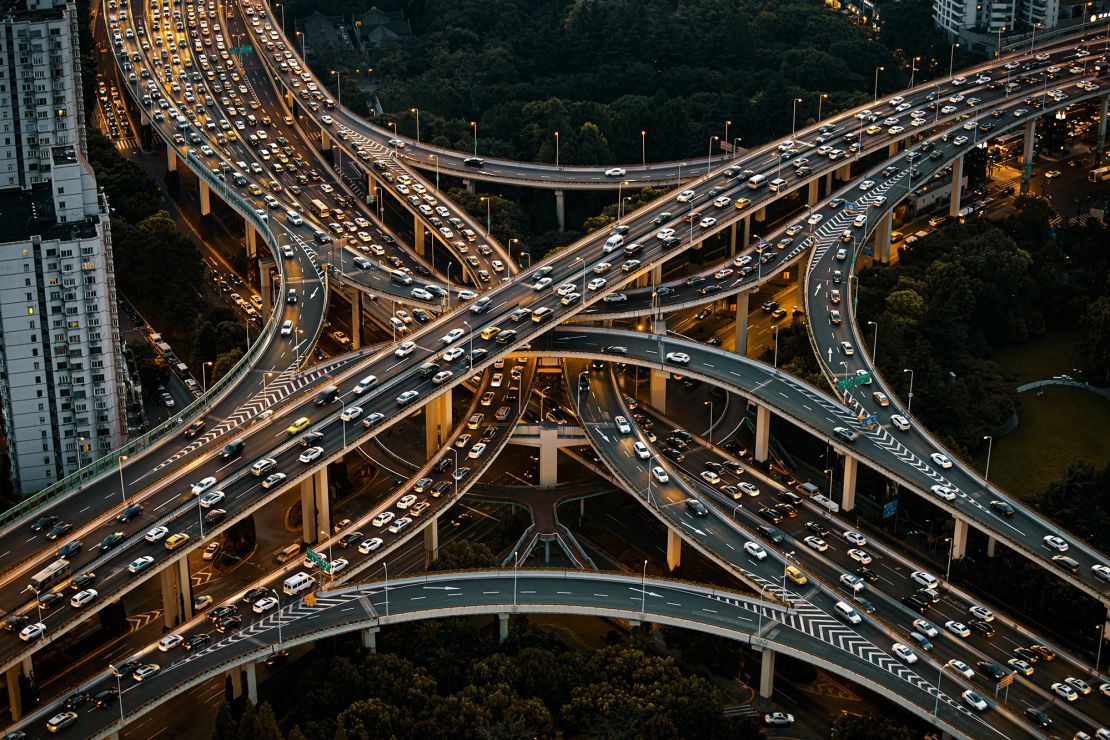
(853, 381)
(318, 560)
(241, 50)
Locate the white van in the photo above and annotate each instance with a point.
(843, 610)
(613, 243)
(298, 582)
(294, 217)
(755, 182)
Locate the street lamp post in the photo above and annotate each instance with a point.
(794, 118)
(417, 112)
(338, 86)
(874, 340)
(556, 148)
(122, 489)
(952, 58)
(820, 100)
(909, 398)
(775, 330)
(474, 125)
(990, 444)
(204, 376)
(998, 51)
(1033, 38)
(436, 158)
(643, 149)
(710, 405)
(516, 571)
(948, 568)
(725, 140)
(325, 535)
(1098, 653)
(913, 69)
(877, 71)
(643, 591)
(277, 595)
(470, 355)
(709, 164)
(486, 200)
(386, 566)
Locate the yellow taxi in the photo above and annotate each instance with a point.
(254, 189)
(298, 426)
(177, 540)
(742, 203)
(796, 575)
(874, 129)
(490, 332)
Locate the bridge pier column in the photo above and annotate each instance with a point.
(882, 237)
(236, 676)
(315, 506)
(502, 628)
(767, 673)
(437, 423)
(892, 149)
(431, 543)
(177, 594)
(1102, 112)
(674, 550)
(549, 456)
(370, 639)
(760, 215)
(171, 158)
(356, 318)
(954, 202)
(265, 285)
(252, 240)
(742, 310)
(828, 183)
(1027, 155)
(252, 682)
(848, 492)
(732, 239)
(658, 383)
(959, 539)
(844, 173)
(471, 187)
(418, 236)
(746, 222)
(17, 676)
(812, 194)
(561, 209)
(325, 139)
(991, 544)
(205, 199)
(762, 432)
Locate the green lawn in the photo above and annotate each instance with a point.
(1053, 354)
(1057, 428)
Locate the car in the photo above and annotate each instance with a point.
(45, 522)
(60, 721)
(1002, 508)
(925, 627)
(287, 328)
(129, 512)
(981, 612)
(755, 550)
(924, 579)
(140, 564)
(615, 172)
(853, 583)
(1020, 666)
(83, 597)
(58, 530)
(974, 700)
(400, 525)
(855, 538)
(958, 666)
(795, 575)
(383, 519)
(748, 488)
(1101, 571)
(263, 605)
(816, 543)
(846, 434)
(941, 460)
(1081, 687)
(311, 454)
(992, 670)
(169, 642)
(946, 493)
(203, 485)
(778, 719)
(903, 653)
(817, 528)
(980, 627)
(175, 541)
(847, 349)
(880, 398)
(678, 358)
(351, 413)
(900, 422)
(82, 580)
(405, 349)
(146, 671)
(957, 628)
(710, 477)
(232, 449)
(860, 556)
(1056, 543)
(32, 631)
(195, 428)
(210, 499)
(1046, 653)
(298, 426)
(1064, 691)
(867, 574)
(211, 551)
(157, 534)
(195, 641)
(697, 508)
(1052, 174)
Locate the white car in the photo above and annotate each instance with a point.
(678, 358)
(708, 222)
(615, 172)
(816, 543)
(925, 627)
(900, 422)
(944, 492)
(453, 354)
(962, 668)
(83, 597)
(623, 426)
(660, 475)
(710, 476)
(815, 219)
(855, 538)
(202, 486)
(852, 583)
(477, 451)
(169, 642)
(959, 629)
(866, 185)
(1079, 685)
(974, 700)
(351, 413)
(1060, 689)
(287, 328)
(365, 384)
(981, 612)
(755, 550)
(405, 349)
(140, 564)
(904, 653)
(541, 284)
(748, 488)
(157, 534)
(339, 565)
(941, 460)
(924, 579)
(211, 498)
(686, 196)
(860, 556)
(722, 201)
(406, 501)
(368, 546)
(452, 336)
(565, 289)
(664, 234)
(32, 632)
(383, 519)
(399, 525)
(311, 454)
(597, 284)
(1101, 571)
(263, 605)
(642, 450)
(1056, 543)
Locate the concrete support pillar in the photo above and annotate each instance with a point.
(828, 183)
(991, 544)
(762, 432)
(561, 209)
(657, 274)
(1101, 128)
(746, 224)
(848, 492)
(252, 683)
(315, 506)
(418, 236)
(205, 199)
(171, 158)
(470, 186)
(177, 594)
(767, 673)
(236, 676)
(502, 628)
(812, 195)
(437, 423)
(370, 639)
(954, 204)
(18, 675)
(1027, 155)
(892, 149)
(265, 285)
(732, 240)
(431, 543)
(844, 173)
(325, 139)
(882, 237)
(356, 318)
(674, 550)
(760, 215)
(959, 539)
(252, 240)
(742, 310)
(659, 390)
(549, 456)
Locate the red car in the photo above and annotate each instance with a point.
(195, 428)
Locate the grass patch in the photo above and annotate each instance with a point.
(1058, 427)
(1052, 354)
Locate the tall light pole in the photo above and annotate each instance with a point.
(556, 148)
(1033, 38)
(725, 140)
(417, 112)
(277, 595)
(913, 69)
(794, 119)
(643, 148)
(877, 71)
(301, 34)
(474, 126)
(909, 398)
(338, 86)
(820, 100)
(952, 58)
(204, 376)
(874, 340)
(486, 200)
(990, 444)
(325, 535)
(998, 51)
(122, 490)
(775, 330)
(436, 158)
(709, 165)
(710, 405)
(643, 592)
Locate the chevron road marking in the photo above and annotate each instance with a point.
(137, 621)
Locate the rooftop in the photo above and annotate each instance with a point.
(27, 213)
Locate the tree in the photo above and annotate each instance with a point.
(869, 727)
(373, 718)
(225, 728)
(1094, 337)
(464, 555)
(224, 363)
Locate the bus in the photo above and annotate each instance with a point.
(318, 208)
(52, 573)
(1102, 173)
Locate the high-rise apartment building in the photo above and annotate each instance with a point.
(966, 18)
(63, 383)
